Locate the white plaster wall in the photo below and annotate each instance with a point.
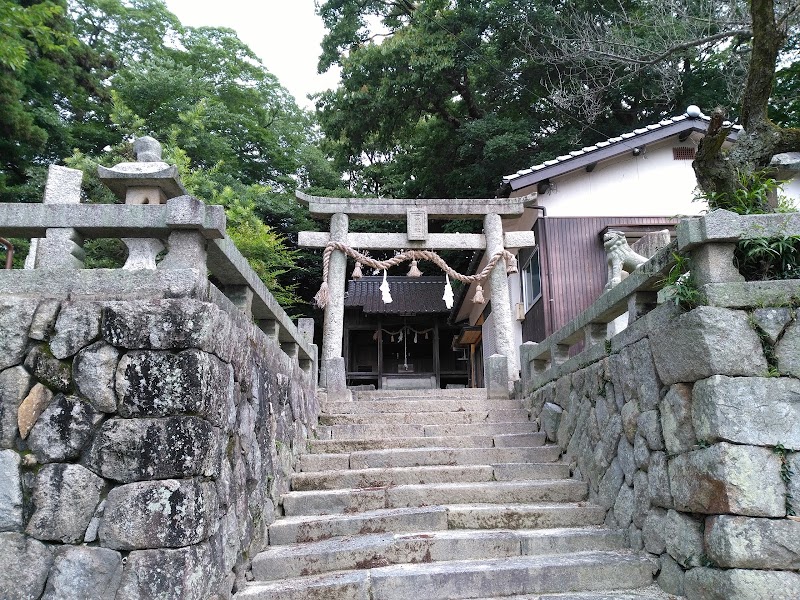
(792, 190)
(651, 184)
(515, 294)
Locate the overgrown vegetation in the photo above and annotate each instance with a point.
(680, 286)
(760, 259)
(786, 475)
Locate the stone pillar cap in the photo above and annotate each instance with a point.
(147, 171)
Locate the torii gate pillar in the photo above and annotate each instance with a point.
(331, 375)
(501, 304)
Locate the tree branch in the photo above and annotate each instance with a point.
(676, 48)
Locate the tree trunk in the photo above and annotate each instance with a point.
(719, 172)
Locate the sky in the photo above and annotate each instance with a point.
(285, 34)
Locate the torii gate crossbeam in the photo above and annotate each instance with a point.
(417, 213)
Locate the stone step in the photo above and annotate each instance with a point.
(382, 477)
(518, 440)
(523, 516)
(523, 440)
(518, 415)
(390, 430)
(651, 592)
(370, 478)
(377, 550)
(453, 580)
(417, 405)
(415, 457)
(583, 571)
(293, 530)
(348, 585)
(329, 502)
(460, 393)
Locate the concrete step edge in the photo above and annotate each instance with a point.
(278, 562)
(397, 581)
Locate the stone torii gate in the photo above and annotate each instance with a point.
(416, 212)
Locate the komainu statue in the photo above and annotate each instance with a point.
(619, 257)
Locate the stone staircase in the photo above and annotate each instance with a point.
(440, 495)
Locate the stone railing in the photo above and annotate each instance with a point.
(709, 242)
(195, 239)
(686, 425)
(150, 421)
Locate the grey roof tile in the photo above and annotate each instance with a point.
(409, 295)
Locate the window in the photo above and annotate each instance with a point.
(531, 280)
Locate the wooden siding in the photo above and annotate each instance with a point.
(533, 327)
(573, 268)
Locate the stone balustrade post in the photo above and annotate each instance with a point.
(61, 248)
(713, 263)
(241, 296)
(595, 333)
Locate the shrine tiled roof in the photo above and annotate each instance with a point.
(609, 148)
(410, 295)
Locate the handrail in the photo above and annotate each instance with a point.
(184, 213)
(709, 241)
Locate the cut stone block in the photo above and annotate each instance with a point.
(32, 407)
(78, 325)
(759, 411)
(787, 351)
(747, 543)
(683, 536)
(161, 384)
(26, 563)
(63, 429)
(65, 497)
(129, 450)
(15, 383)
(10, 491)
(93, 371)
(707, 341)
(186, 573)
(726, 584)
(158, 514)
(676, 419)
(16, 315)
(726, 478)
(85, 573)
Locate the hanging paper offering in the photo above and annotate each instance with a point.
(386, 296)
(448, 292)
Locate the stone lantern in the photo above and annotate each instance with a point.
(149, 180)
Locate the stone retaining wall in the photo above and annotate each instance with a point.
(144, 446)
(688, 433)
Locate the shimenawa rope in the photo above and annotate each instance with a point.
(322, 297)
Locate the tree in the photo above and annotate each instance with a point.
(672, 39)
(446, 97)
(85, 77)
(719, 173)
(47, 86)
(422, 110)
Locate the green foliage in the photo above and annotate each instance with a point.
(786, 474)
(680, 286)
(441, 98)
(761, 259)
(79, 79)
(756, 193)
